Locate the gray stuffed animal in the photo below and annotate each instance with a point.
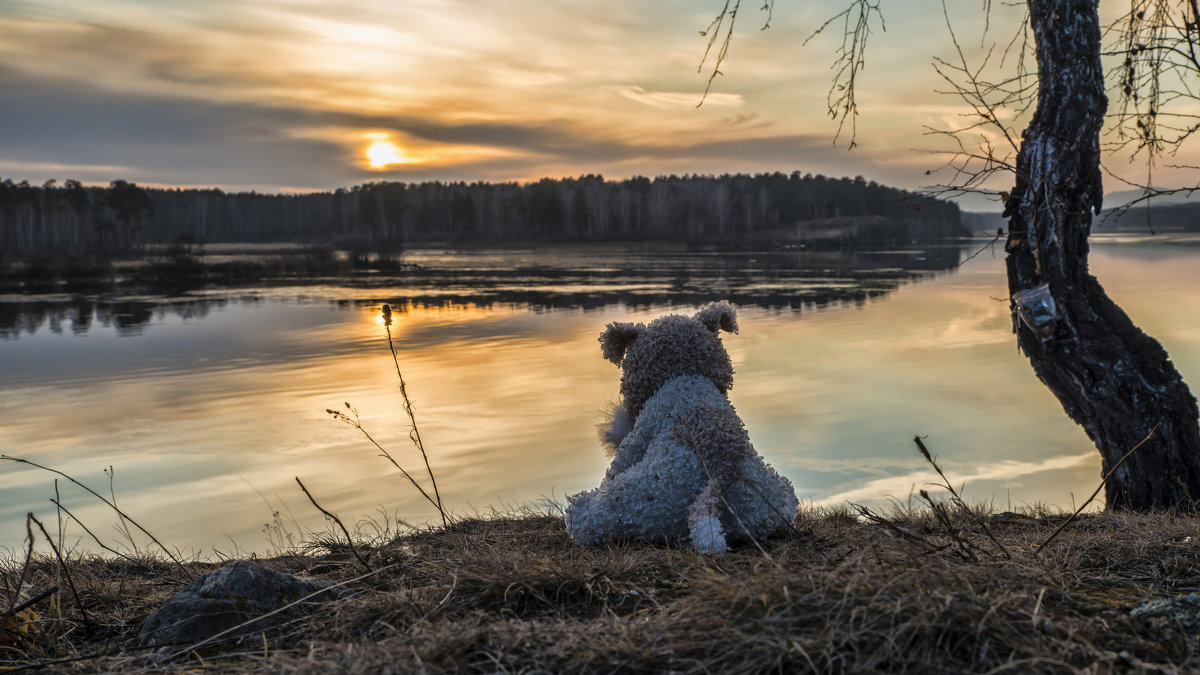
(683, 468)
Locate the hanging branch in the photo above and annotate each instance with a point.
(849, 57)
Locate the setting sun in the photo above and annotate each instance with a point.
(382, 153)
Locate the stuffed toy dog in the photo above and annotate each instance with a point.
(683, 468)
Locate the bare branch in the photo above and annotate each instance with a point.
(850, 57)
(713, 32)
(841, 102)
(1153, 82)
(983, 148)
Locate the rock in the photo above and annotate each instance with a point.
(235, 594)
(1184, 608)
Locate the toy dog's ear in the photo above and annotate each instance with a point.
(718, 316)
(616, 339)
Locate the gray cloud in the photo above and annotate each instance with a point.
(161, 140)
(181, 135)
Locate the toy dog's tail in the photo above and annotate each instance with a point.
(614, 427)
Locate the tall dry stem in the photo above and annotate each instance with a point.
(414, 434)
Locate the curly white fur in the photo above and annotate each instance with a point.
(685, 471)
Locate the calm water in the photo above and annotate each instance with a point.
(208, 406)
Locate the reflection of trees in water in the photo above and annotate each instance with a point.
(772, 280)
(128, 317)
(792, 280)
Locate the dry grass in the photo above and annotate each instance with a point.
(837, 594)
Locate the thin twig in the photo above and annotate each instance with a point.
(356, 422)
(990, 244)
(712, 32)
(87, 623)
(112, 491)
(58, 514)
(12, 599)
(35, 599)
(111, 505)
(114, 551)
(1099, 487)
(958, 500)
(880, 520)
(337, 520)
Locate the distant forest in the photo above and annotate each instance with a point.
(124, 217)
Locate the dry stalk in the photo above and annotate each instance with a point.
(956, 498)
(888, 524)
(114, 551)
(1099, 487)
(965, 548)
(16, 591)
(87, 623)
(124, 516)
(356, 422)
(415, 433)
(334, 518)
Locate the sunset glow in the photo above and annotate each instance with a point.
(383, 153)
(448, 90)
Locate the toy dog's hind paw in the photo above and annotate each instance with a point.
(708, 537)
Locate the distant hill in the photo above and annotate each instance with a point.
(1160, 217)
(1119, 199)
(984, 223)
(1171, 217)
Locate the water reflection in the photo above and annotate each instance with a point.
(221, 390)
(542, 278)
(127, 317)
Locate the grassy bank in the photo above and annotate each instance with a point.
(912, 592)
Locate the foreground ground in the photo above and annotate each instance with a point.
(912, 592)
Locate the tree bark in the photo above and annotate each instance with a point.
(1111, 378)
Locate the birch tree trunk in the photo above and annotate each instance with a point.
(1111, 378)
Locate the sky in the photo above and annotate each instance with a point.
(300, 95)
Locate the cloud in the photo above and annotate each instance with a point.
(283, 92)
(97, 134)
(678, 99)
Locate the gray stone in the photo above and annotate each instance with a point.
(1182, 608)
(236, 594)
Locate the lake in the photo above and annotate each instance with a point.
(206, 406)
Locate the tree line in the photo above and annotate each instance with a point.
(124, 217)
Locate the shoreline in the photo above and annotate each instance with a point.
(908, 592)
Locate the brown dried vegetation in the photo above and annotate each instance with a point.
(839, 593)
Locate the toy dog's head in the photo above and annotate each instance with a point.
(670, 346)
